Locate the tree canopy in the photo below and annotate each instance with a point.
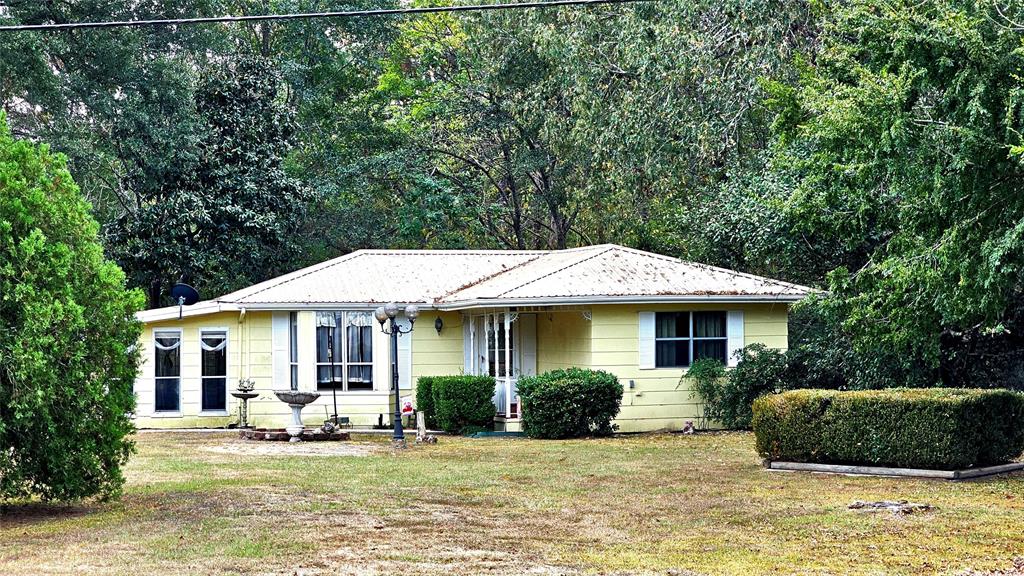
(867, 147)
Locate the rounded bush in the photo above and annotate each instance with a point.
(570, 403)
(937, 428)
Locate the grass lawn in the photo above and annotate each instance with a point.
(658, 504)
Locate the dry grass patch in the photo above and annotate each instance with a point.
(655, 504)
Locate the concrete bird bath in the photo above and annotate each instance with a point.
(296, 400)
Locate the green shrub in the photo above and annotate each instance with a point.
(463, 403)
(570, 403)
(760, 371)
(425, 400)
(67, 336)
(937, 428)
(707, 377)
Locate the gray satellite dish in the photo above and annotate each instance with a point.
(184, 295)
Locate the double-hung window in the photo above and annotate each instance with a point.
(344, 350)
(214, 350)
(683, 337)
(167, 370)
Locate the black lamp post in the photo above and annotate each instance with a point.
(387, 314)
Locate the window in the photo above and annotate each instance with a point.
(680, 337)
(344, 350)
(709, 339)
(496, 343)
(167, 370)
(293, 348)
(214, 351)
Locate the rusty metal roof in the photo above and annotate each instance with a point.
(458, 279)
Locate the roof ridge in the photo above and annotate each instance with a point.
(606, 248)
(448, 251)
(489, 277)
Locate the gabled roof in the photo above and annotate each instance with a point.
(457, 279)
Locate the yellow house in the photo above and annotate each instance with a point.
(638, 315)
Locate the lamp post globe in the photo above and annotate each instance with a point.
(391, 309)
(412, 312)
(380, 315)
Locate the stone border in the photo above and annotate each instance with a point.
(279, 435)
(965, 474)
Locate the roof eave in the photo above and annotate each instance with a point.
(173, 312)
(640, 299)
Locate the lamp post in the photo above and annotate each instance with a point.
(387, 314)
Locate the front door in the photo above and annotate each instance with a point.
(503, 345)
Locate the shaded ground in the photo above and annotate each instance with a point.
(657, 504)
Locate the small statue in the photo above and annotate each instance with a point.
(688, 427)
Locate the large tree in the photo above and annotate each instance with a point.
(225, 214)
(548, 128)
(67, 350)
(902, 151)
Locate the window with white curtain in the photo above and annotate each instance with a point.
(214, 350)
(683, 337)
(167, 370)
(344, 350)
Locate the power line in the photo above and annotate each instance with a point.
(310, 15)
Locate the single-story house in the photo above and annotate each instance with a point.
(507, 313)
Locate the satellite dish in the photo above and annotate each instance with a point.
(184, 295)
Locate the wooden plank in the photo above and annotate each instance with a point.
(898, 472)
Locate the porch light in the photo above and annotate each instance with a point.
(438, 324)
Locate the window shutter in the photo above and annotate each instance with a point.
(405, 356)
(646, 344)
(526, 342)
(467, 345)
(280, 361)
(734, 332)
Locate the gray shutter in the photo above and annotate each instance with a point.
(527, 337)
(467, 345)
(646, 343)
(279, 346)
(734, 334)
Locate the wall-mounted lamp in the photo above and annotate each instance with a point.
(438, 324)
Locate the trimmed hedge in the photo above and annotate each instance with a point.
(457, 404)
(935, 428)
(569, 403)
(425, 400)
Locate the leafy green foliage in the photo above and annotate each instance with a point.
(67, 359)
(760, 371)
(939, 428)
(570, 403)
(425, 399)
(901, 141)
(228, 220)
(461, 403)
(544, 127)
(705, 377)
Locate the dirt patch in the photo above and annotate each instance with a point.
(293, 448)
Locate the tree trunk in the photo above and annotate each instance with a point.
(154, 293)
